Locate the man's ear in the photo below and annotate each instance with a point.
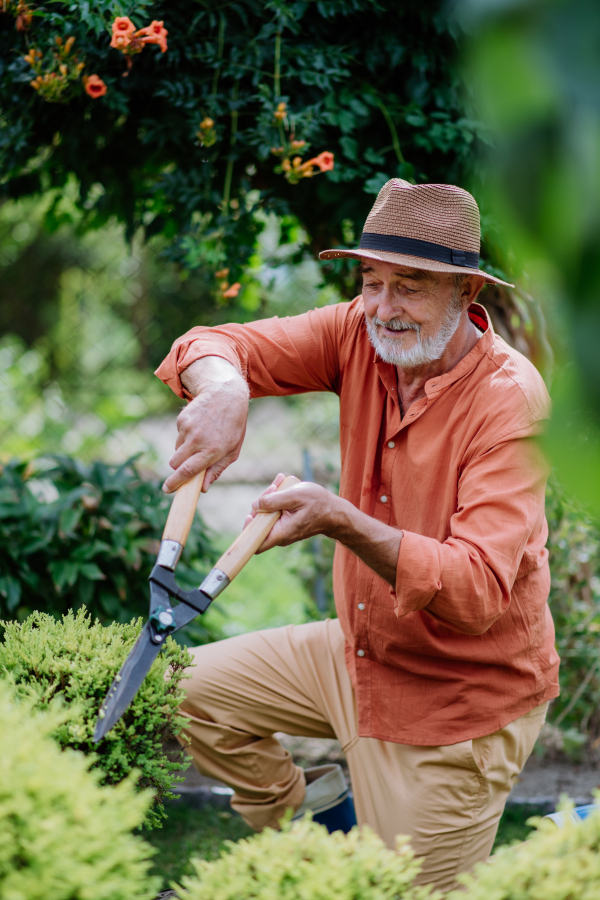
(471, 287)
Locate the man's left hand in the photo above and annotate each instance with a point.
(307, 509)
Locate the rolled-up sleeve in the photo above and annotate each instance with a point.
(466, 580)
(277, 356)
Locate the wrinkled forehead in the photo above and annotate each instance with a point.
(393, 271)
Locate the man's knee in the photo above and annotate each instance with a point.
(201, 678)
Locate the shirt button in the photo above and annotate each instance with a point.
(361, 605)
(391, 445)
(360, 652)
(384, 499)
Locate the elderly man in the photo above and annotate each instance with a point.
(437, 674)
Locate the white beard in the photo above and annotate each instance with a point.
(424, 350)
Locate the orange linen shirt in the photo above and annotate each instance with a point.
(465, 643)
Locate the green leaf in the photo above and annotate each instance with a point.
(374, 184)
(91, 571)
(64, 573)
(69, 520)
(10, 588)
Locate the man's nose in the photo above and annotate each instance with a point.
(388, 307)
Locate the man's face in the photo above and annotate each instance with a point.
(411, 315)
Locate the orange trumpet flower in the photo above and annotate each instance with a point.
(324, 161)
(122, 31)
(155, 33)
(94, 86)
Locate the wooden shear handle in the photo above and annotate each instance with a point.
(183, 510)
(247, 543)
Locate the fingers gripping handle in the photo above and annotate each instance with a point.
(247, 543)
(183, 510)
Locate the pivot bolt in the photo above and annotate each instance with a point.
(162, 622)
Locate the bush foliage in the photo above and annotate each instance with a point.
(574, 544)
(71, 664)
(304, 861)
(183, 146)
(556, 863)
(63, 836)
(74, 535)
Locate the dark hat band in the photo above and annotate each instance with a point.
(392, 243)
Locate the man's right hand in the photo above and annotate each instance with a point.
(212, 426)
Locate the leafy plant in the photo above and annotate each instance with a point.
(74, 534)
(71, 664)
(304, 861)
(574, 543)
(193, 141)
(63, 836)
(315, 571)
(561, 863)
(530, 67)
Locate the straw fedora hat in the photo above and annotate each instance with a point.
(424, 226)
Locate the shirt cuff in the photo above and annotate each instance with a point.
(184, 354)
(418, 573)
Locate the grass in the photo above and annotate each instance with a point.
(202, 832)
(513, 824)
(190, 832)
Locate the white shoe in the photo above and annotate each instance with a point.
(325, 788)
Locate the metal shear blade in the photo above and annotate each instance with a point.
(163, 620)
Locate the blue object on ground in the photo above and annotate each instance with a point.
(584, 811)
(339, 818)
(578, 814)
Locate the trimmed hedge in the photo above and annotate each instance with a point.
(304, 862)
(62, 836)
(553, 864)
(70, 663)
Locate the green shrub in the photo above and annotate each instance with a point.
(74, 535)
(63, 837)
(574, 544)
(553, 864)
(304, 862)
(72, 663)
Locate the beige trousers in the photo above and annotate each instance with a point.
(294, 679)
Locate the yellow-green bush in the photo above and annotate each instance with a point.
(62, 836)
(554, 864)
(72, 662)
(304, 862)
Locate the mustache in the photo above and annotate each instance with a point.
(396, 324)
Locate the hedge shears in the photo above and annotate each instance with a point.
(164, 618)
